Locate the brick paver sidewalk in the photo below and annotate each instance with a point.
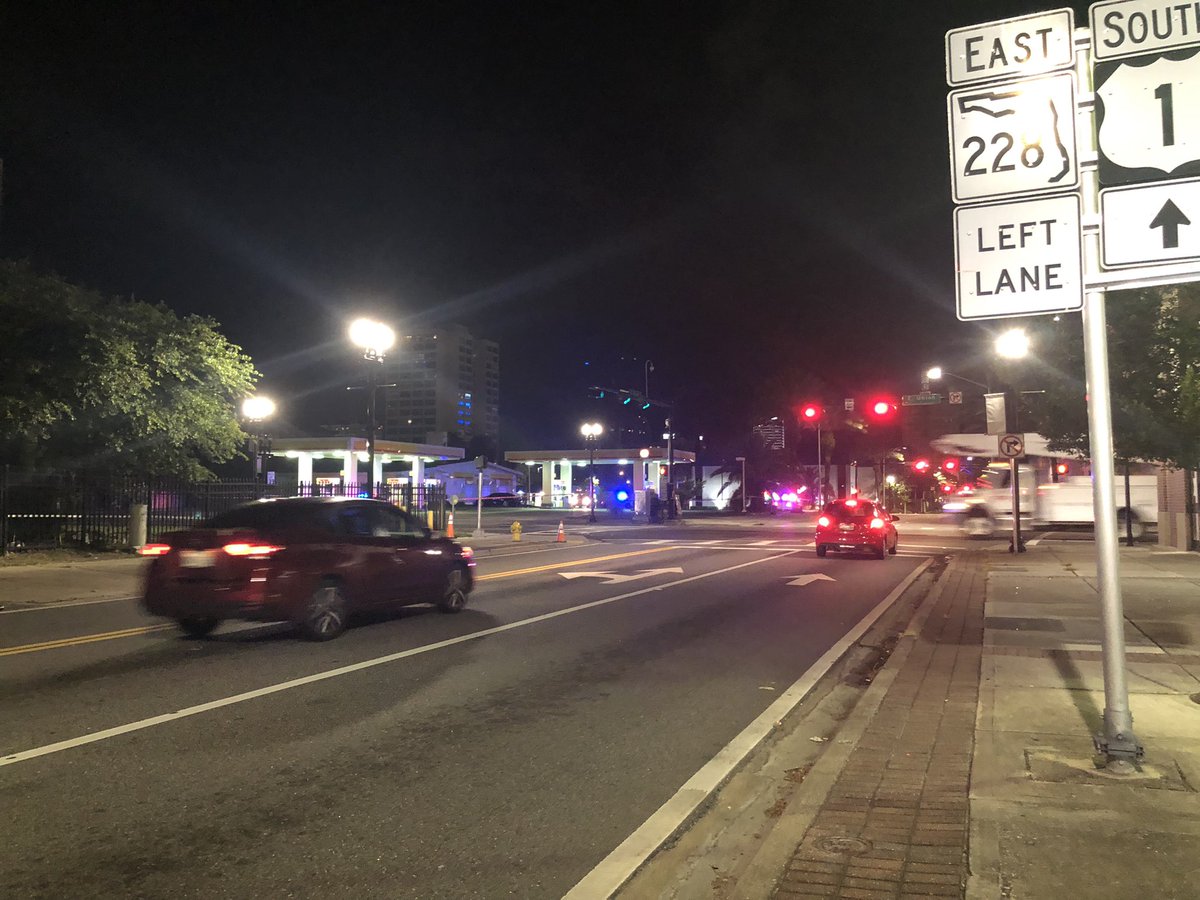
(895, 824)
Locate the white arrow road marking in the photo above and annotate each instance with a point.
(615, 578)
(802, 580)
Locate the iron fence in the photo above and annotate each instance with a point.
(49, 509)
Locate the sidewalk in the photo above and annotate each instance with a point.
(975, 776)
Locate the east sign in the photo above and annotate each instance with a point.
(1027, 45)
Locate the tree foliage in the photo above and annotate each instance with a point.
(94, 382)
(1154, 368)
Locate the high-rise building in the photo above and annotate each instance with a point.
(447, 382)
(771, 433)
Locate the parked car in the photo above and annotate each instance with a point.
(502, 498)
(854, 524)
(313, 561)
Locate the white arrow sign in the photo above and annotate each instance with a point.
(801, 580)
(615, 578)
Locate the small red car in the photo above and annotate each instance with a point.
(312, 561)
(854, 524)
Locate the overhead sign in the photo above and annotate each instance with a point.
(1146, 123)
(1129, 27)
(1011, 445)
(922, 399)
(1150, 223)
(1013, 138)
(1027, 45)
(1018, 258)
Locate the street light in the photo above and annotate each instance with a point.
(1012, 344)
(374, 339)
(937, 373)
(255, 410)
(591, 431)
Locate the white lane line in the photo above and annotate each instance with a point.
(760, 543)
(618, 867)
(163, 719)
(69, 604)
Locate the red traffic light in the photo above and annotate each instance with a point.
(1062, 468)
(921, 465)
(811, 412)
(882, 408)
(950, 465)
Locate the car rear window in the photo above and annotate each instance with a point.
(272, 515)
(844, 511)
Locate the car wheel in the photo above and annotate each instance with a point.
(880, 551)
(198, 627)
(892, 549)
(822, 550)
(326, 614)
(454, 595)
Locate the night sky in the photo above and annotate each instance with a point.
(753, 195)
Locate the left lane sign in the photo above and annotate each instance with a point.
(1020, 258)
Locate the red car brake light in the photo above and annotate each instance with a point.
(154, 549)
(824, 521)
(254, 551)
(877, 523)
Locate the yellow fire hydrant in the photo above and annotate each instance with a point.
(515, 528)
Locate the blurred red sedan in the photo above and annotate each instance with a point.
(854, 524)
(312, 561)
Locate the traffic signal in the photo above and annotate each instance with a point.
(1062, 468)
(811, 413)
(882, 409)
(950, 465)
(921, 466)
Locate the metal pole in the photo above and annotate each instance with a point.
(371, 434)
(1017, 545)
(479, 504)
(1118, 743)
(670, 472)
(820, 463)
(592, 478)
(1128, 509)
(745, 496)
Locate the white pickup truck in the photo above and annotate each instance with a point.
(1067, 502)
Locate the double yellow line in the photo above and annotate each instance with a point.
(148, 629)
(83, 639)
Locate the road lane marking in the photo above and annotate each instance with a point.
(82, 639)
(66, 604)
(615, 870)
(802, 580)
(164, 718)
(146, 629)
(562, 564)
(616, 578)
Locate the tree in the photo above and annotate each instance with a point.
(93, 382)
(1154, 366)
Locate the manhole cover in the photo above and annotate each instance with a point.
(847, 845)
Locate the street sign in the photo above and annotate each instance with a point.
(922, 399)
(848, 404)
(1011, 445)
(1026, 45)
(1013, 138)
(1019, 258)
(1130, 27)
(1150, 223)
(1146, 126)
(956, 398)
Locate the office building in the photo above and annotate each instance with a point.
(446, 385)
(771, 433)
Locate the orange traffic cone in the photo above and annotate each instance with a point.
(450, 525)
(562, 535)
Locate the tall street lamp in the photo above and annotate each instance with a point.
(256, 410)
(937, 373)
(591, 431)
(374, 339)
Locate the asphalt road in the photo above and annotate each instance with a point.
(503, 751)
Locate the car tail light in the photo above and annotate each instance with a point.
(254, 551)
(852, 503)
(824, 521)
(877, 523)
(155, 549)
